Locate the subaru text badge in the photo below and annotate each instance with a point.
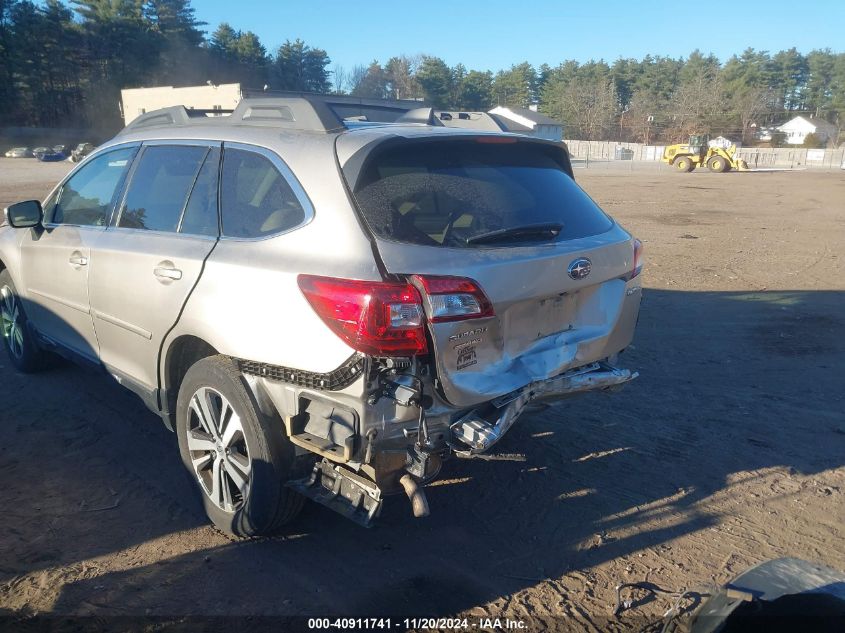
(580, 268)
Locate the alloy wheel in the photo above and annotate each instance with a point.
(218, 450)
(10, 320)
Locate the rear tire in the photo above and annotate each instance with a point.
(238, 457)
(20, 344)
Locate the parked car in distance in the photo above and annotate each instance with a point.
(19, 152)
(321, 310)
(60, 148)
(50, 156)
(81, 151)
(40, 150)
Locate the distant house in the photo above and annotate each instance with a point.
(797, 129)
(530, 122)
(213, 98)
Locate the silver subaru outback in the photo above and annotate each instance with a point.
(322, 306)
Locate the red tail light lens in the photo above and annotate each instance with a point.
(453, 298)
(373, 317)
(496, 140)
(637, 266)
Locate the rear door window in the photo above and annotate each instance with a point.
(451, 193)
(200, 217)
(86, 198)
(160, 187)
(256, 199)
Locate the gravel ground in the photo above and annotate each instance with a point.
(727, 451)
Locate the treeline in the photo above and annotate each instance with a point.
(647, 100)
(63, 64)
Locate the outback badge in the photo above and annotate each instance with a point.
(580, 268)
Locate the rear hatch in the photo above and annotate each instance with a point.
(551, 270)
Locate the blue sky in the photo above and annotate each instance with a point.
(494, 34)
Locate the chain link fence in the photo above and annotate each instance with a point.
(585, 152)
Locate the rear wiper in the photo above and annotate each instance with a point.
(547, 230)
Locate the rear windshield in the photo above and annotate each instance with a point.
(453, 193)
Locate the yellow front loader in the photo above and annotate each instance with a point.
(696, 153)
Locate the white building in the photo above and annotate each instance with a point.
(138, 101)
(797, 129)
(530, 122)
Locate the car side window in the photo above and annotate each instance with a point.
(86, 198)
(256, 198)
(160, 185)
(200, 217)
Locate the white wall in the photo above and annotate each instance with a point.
(599, 152)
(549, 132)
(137, 101)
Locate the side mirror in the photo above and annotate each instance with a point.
(24, 215)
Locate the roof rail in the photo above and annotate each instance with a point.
(453, 118)
(419, 115)
(469, 120)
(349, 107)
(316, 113)
(174, 115)
(286, 110)
(292, 112)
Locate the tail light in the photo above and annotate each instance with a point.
(453, 298)
(637, 266)
(376, 318)
(496, 140)
(387, 319)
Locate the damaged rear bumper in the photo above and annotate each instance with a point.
(480, 429)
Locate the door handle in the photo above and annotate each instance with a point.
(169, 274)
(78, 259)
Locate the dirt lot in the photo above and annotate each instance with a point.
(729, 450)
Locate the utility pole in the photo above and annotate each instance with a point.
(621, 122)
(649, 119)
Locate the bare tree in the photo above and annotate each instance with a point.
(356, 77)
(639, 124)
(373, 83)
(588, 105)
(696, 102)
(401, 73)
(341, 80)
(749, 104)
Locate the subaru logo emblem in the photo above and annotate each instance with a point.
(580, 268)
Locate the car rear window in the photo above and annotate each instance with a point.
(447, 193)
(256, 199)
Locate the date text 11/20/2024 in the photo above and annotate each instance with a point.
(445, 624)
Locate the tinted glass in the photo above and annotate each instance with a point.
(200, 216)
(160, 186)
(256, 198)
(86, 198)
(445, 194)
